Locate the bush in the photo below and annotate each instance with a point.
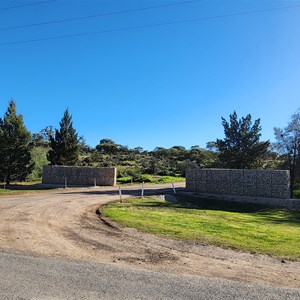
(126, 179)
(146, 178)
(135, 175)
(296, 193)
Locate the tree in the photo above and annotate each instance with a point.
(42, 138)
(288, 144)
(107, 146)
(241, 148)
(138, 149)
(39, 157)
(65, 143)
(15, 157)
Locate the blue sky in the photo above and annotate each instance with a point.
(157, 86)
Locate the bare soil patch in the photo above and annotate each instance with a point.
(65, 224)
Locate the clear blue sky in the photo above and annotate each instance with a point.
(155, 86)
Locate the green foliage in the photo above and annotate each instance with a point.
(134, 162)
(296, 193)
(151, 179)
(288, 144)
(134, 174)
(169, 179)
(127, 179)
(249, 227)
(65, 143)
(241, 148)
(39, 157)
(42, 138)
(108, 146)
(146, 178)
(15, 157)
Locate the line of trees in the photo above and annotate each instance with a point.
(22, 154)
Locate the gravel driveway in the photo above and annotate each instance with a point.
(64, 224)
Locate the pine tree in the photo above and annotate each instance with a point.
(65, 143)
(241, 148)
(15, 157)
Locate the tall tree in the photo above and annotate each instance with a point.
(241, 147)
(107, 146)
(15, 157)
(288, 144)
(64, 144)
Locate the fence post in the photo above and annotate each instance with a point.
(142, 195)
(173, 188)
(65, 182)
(95, 182)
(120, 193)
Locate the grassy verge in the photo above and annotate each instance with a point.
(151, 179)
(247, 227)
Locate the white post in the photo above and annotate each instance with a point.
(173, 188)
(131, 181)
(65, 182)
(95, 182)
(120, 193)
(142, 195)
(4, 183)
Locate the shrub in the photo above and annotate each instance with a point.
(126, 179)
(146, 178)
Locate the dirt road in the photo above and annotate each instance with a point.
(64, 224)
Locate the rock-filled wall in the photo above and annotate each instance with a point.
(85, 176)
(254, 183)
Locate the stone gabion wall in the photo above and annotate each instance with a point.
(84, 176)
(254, 183)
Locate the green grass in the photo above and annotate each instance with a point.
(169, 179)
(152, 179)
(126, 179)
(249, 227)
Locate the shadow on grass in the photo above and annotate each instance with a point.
(266, 212)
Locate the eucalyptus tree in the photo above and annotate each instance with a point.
(288, 144)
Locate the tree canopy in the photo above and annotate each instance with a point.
(288, 144)
(241, 148)
(64, 144)
(15, 157)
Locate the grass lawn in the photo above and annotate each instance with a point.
(152, 179)
(250, 227)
